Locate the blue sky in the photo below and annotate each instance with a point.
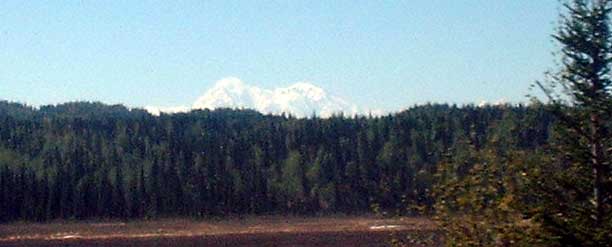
(379, 54)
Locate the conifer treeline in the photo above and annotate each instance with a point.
(90, 160)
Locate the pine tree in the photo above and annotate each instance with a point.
(143, 195)
(575, 190)
(294, 181)
(154, 190)
(118, 196)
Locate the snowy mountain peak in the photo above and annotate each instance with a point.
(301, 99)
(231, 84)
(305, 89)
(229, 92)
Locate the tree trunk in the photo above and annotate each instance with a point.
(597, 160)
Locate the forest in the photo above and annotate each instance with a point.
(89, 160)
(530, 174)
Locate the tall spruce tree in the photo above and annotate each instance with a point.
(575, 191)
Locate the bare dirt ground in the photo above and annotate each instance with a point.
(252, 231)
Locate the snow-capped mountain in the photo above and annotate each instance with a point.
(300, 99)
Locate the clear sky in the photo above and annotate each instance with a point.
(380, 54)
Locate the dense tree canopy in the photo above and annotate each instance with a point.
(83, 160)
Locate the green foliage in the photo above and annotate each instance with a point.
(574, 199)
(500, 193)
(481, 199)
(89, 160)
(294, 181)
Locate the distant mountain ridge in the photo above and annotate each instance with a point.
(301, 99)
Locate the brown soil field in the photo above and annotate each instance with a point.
(250, 231)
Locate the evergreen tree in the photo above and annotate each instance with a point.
(294, 181)
(118, 197)
(89, 160)
(575, 190)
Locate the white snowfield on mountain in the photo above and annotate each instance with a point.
(301, 99)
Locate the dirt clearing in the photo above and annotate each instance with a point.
(252, 231)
